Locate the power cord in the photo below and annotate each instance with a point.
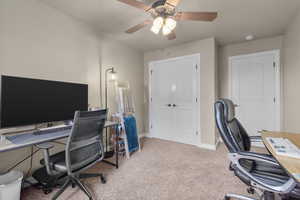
(17, 164)
(31, 161)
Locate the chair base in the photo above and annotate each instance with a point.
(84, 176)
(262, 196)
(236, 196)
(75, 181)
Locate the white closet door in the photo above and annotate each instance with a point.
(161, 99)
(174, 110)
(254, 91)
(185, 100)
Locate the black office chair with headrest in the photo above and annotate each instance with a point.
(261, 172)
(83, 150)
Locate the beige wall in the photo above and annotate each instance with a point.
(227, 51)
(206, 48)
(129, 66)
(41, 42)
(291, 79)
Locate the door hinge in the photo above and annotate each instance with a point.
(197, 132)
(196, 100)
(274, 64)
(274, 100)
(196, 67)
(151, 72)
(151, 126)
(151, 99)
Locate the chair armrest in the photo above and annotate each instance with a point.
(264, 157)
(46, 152)
(235, 158)
(45, 145)
(255, 139)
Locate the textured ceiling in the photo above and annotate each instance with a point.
(237, 18)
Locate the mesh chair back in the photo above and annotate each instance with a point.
(84, 147)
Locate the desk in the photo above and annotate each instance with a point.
(291, 165)
(28, 138)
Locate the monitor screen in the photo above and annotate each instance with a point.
(26, 101)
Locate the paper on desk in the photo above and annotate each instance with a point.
(284, 147)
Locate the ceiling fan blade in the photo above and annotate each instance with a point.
(139, 26)
(173, 3)
(171, 36)
(136, 4)
(197, 16)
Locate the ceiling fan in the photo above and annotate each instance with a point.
(165, 16)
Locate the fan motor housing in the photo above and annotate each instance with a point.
(162, 9)
(158, 3)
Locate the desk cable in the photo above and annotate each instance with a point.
(20, 162)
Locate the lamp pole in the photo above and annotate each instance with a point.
(109, 70)
(112, 71)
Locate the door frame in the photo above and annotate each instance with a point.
(276, 54)
(150, 68)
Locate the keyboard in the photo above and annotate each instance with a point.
(284, 147)
(53, 129)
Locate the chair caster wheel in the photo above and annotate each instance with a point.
(47, 191)
(73, 185)
(103, 179)
(250, 190)
(226, 198)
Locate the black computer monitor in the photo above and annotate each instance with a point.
(26, 101)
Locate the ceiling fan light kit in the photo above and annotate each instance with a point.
(166, 16)
(166, 24)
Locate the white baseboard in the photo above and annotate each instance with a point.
(208, 146)
(204, 146)
(219, 140)
(142, 135)
(211, 146)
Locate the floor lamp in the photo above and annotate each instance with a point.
(113, 77)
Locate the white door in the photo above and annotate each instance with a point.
(254, 90)
(174, 89)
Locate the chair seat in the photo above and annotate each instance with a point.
(58, 162)
(266, 172)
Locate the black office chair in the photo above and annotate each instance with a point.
(261, 172)
(83, 150)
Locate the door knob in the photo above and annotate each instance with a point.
(174, 105)
(169, 105)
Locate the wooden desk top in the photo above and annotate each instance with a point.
(291, 165)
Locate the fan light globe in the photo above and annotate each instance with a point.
(155, 29)
(170, 23)
(166, 30)
(158, 22)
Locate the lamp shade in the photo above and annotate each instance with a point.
(113, 76)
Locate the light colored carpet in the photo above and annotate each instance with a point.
(162, 171)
